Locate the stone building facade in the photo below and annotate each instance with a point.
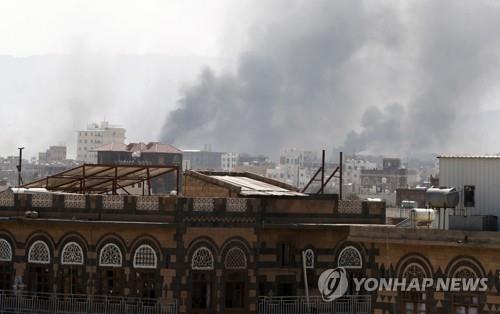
(220, 254)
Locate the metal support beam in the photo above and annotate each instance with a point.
(340, 179)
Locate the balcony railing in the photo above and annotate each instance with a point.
(55, 303)
(352, 304)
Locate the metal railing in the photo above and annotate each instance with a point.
(55, 303)
(352, 304)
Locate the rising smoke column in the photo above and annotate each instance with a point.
(371, 77)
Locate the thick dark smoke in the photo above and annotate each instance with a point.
(386, 78)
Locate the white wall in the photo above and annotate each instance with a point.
(482, 172)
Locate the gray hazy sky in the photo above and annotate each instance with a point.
(277, 73)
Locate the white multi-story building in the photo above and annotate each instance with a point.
(229, 161)
(352, 171)
(96, 135)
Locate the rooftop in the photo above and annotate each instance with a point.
(246, 183)
(100, 178)
(151, 147)
(473, 157)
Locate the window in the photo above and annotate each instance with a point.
(413, 301)
(285, 254)
(350, 257)
(469, 196)
(39, 253)
(146, 285)
(309, 258)
(5, 251)
(202, 259)
(73, 280)
(235, 290)
(145, 257)
(72, 254)
(110, 256)
(201, 291)
(465, 303)
(235, 259)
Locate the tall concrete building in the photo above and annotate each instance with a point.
(97, 135)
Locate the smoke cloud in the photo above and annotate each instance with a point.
(389, 77)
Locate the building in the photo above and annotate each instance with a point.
(386, 180)
(229, 161)
(152, 153)
(201, 160)
(241, 253)
(352, 168)
(477, 178)
(411, 194)
(53, 154)
(97, 135)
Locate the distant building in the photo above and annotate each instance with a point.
(352, 168)
(53, 154)
(229, 161)
(201, 160)
(416, 195)
(245, 159)
(386, 180)
(157, 154)
(97, 135)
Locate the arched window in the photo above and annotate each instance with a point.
(39, 253)
(202, 259)
(145, 257)
(309, 257)
(110, 256)
(350, 257)
(72, 254)
(235, 259)
(465, 272)
(5, 251)
(413, 270)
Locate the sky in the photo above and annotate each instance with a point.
(383, 77)
(177, 28)
(83, 61)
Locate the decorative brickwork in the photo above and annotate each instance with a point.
(350, 207)
(147, 203)
(74, 201)
(112, 201)
(41, 200)
(236, 205)
(7, 198)
(203, 204)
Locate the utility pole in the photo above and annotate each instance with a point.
(19, 167)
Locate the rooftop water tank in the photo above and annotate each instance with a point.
(442, 197)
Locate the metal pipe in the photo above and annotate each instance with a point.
(322, 171)
(19, 166)
(306, 285)
(340, 177)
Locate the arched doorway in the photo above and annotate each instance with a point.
(39, 272)
(235, 280)
(202, 281)
(111, 275)
(72, 272)
(6, 266)
(147, 283)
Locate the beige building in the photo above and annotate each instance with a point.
(97, 135)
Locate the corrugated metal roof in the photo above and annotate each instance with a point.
(251, 186)
(465, 156)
